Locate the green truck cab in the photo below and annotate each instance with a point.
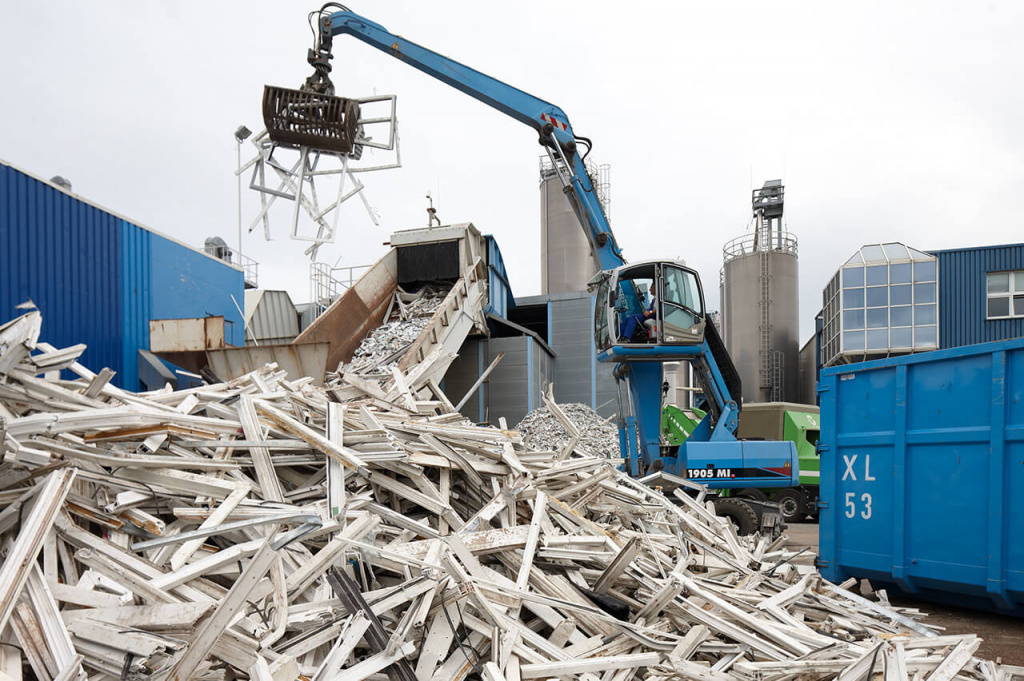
(800, 424)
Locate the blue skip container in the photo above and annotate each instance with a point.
(922, 474)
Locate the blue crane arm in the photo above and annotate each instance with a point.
(550, 122)
(556, 134)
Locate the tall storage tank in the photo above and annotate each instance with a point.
(760, 302)
(567, 260)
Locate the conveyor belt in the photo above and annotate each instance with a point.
(364, 306)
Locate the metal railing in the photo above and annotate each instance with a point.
(328, 283)
(600, 179)
(757, 242)
(250, 268)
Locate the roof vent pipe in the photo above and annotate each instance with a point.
(218, 248)
(61, 182)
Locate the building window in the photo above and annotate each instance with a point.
(883, 301)
(1005, 294)
(894, 303)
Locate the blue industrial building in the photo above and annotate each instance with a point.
(981, 294)
(890, 300)
(99, 278)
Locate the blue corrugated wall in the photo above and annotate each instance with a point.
(499, 291)
(99, 279)
(63, 255)
(186, 283)
(135, 292)
(962, 294)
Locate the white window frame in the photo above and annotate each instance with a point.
(1015, 290)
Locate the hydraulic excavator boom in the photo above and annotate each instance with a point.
(666, 292)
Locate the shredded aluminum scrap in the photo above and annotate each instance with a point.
(543, 430)
(409, 315)
(269, 529)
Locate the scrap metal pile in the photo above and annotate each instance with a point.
(268, 529)
(407, 316)
(555, 426)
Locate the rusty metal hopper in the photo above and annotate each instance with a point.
(310, 119)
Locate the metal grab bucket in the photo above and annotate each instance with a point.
(310, 119)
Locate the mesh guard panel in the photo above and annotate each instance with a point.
(725, 364)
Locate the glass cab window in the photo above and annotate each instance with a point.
(633, 304)
(602, 340)
(682, 306)
(650, 303)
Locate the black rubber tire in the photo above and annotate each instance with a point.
(792, 505)
(752, 493)
(742, 516)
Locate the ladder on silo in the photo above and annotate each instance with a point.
(764, 325)
(771, 361)
(778, 364)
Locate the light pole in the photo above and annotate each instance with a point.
(240, 136)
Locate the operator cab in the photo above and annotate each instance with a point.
(655, 302)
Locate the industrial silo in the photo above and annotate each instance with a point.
(760, 302)
(567, 260)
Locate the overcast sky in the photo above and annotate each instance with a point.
(887, 121)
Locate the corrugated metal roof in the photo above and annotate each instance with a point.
(969, 249)
(270, 315)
